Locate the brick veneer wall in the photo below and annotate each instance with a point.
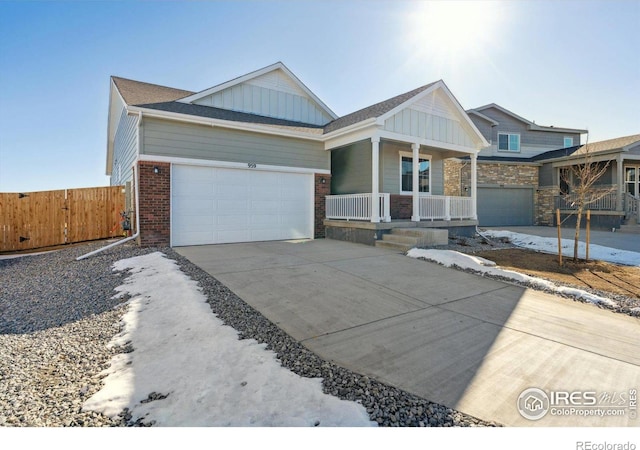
(321, 190)
(401, 206)
(155, 209)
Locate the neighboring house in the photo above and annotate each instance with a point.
(508, 169)
(256, 158)
(620, 184)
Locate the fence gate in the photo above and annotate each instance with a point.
(42, 219)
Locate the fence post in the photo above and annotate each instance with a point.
(559, 237)
(588, 229)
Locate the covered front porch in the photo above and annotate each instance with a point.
(401, 185)
(388, 168)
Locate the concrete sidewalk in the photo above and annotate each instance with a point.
(621, 241)
(468, 342)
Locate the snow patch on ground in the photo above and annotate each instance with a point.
(210, 377)
(451, 258)
(550, 245)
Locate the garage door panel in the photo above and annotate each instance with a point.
(505, 206)
(222, 205)
(194, 223)
(293, 205)
(230, 236)
(192, 206)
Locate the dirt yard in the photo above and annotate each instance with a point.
(598, 275)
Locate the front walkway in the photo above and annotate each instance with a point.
(471, 343)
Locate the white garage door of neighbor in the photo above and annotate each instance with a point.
(211, 205)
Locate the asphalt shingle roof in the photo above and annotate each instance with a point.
(162, 98)
(234, 116)
(137, 92)
(609, 144)
(374, 110)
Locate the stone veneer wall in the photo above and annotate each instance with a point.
(457, 175)
(544, 213)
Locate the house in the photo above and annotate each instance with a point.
(508, 169)
(520, 177)
(261, 157)
(619, 201)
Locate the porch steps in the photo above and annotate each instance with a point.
(404, 239)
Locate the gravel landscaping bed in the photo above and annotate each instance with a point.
(57, 316)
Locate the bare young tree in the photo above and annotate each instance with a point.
(579, 180)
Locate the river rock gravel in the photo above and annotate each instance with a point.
(57, 316)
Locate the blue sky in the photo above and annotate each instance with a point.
(564, 63)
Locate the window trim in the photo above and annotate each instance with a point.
(564, 141)
(420, 157)
(508, 142)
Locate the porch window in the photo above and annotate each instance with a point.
(406, 174)
(508, 142)
(632, 180)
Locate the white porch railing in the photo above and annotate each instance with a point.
(432, 207)
(356, 207)
(605, 203)
(445, 207)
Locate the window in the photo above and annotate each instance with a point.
(565, 179)
(568, 142)
(406, 174)
(508, 142)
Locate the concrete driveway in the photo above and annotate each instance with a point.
(471, 343)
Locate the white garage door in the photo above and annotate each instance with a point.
(212, 205)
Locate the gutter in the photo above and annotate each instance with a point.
(130, 238)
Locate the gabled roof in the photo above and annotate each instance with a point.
(374, 111)
(531, 125)
(193, 97)
(137, 92)
(621, 143)
(482, 116)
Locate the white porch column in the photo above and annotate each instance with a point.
(620, 176)
(375, 179)
(415, 191)
(474, 186)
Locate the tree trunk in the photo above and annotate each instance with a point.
(576, 238)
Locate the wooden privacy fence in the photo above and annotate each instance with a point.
(42, 219)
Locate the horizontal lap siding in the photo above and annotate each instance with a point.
(351, 169)
(164, 138)
(390, 168)
(124, 149)
(532, 142)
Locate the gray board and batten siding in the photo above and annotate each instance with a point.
(184, 140)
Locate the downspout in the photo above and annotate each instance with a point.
(136, 176)
(130, 238)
